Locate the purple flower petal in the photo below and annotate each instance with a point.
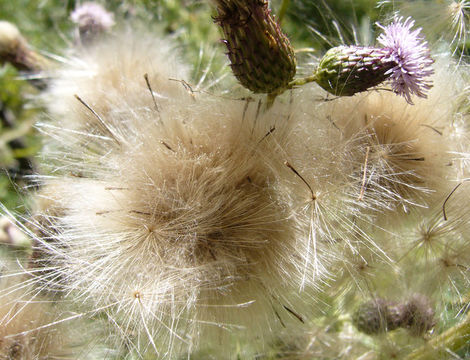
(410, 53)
(94, 13)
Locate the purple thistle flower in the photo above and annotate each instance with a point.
(92, 19)
(409, 53)
(403, 58)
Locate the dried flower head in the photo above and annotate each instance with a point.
(410, 54)
(172, 220)
(418, 315)
(10, 38)
(11, 235)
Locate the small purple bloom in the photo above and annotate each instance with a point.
(94, 12)
(92, 20)
(409, 53)
(403, 58)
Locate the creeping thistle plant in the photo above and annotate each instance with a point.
(263, 221)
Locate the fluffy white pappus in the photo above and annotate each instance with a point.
(179, 219)
(327, 201)
(30, 326)
(92, 99)
(194, 220)
(317, 341)
(433, 248)
(461, 136)
(402, 153)
(128, 69)
(382, 154)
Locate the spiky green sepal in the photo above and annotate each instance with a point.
(261, 56)
(347, 70)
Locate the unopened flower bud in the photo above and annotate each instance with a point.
(377, 316)
(347, 70)
(418, 315)
(15, 50)
(261, 56)
(403, 59)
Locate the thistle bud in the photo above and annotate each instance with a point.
(418, 315)
(403, 59)
(261, 56)
(377, 316)
(346, 70)
(15, 50)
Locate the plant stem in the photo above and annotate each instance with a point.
(13, 136)
(453, 339)
(294, 83)
(282, 10)
(300, 82)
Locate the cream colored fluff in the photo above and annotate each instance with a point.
(182, 221)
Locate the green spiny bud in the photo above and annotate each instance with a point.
(261, 56)
(347, 70)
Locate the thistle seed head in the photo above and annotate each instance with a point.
(178, 214)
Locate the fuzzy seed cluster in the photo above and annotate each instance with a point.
(188, 221)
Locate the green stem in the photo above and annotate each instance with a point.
(294, 83)
(270, 100)
(301, 81)
(453, 339)
(282, 11)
